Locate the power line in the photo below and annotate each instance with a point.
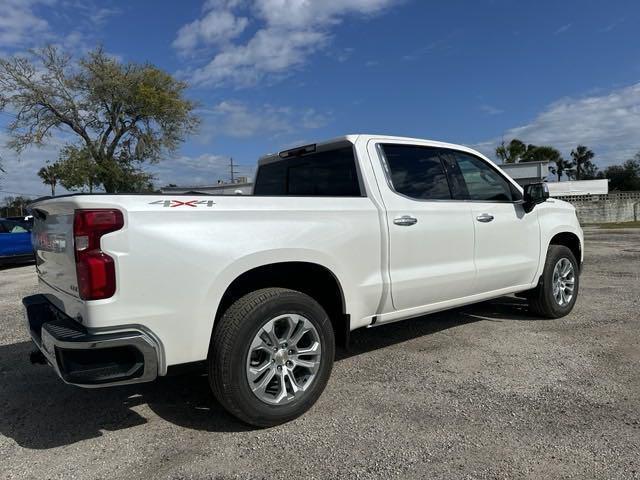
(24, 193)
(232, 170)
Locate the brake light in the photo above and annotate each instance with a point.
(95, 269)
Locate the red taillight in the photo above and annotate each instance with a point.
(95, 269)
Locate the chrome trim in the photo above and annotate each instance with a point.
(155, 340)
(138, 337)
(485, 218)
(405, 221)
(134, 339)
(387, 174)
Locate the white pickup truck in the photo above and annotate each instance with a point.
(354, 232)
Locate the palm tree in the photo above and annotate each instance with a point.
(50, 176)
(511, 152)
(561, 167)
(582, 160)
(543, 153)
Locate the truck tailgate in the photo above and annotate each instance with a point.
(52, 239)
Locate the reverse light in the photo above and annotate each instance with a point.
(95, 269)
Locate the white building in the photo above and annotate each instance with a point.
(579, 187)
(241, 187)
(533, 172)
(527, 172)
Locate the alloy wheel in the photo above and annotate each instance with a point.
(563, 282)
(283, 359)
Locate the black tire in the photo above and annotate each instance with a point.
(541, 299)
(230, 345)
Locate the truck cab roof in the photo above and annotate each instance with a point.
(352, 138)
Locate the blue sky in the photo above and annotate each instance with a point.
(272, 73)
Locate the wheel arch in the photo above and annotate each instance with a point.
(569, 240)
(313, 279)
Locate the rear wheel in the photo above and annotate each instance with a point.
(271, 356)
(557, 292)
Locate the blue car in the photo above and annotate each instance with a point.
(15, 243)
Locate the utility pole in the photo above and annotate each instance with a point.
(232, 170)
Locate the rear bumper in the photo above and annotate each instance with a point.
(89, 358)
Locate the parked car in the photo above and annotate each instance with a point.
(15, 243)
(25, 220)
(355, 232)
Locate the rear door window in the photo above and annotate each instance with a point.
(417, 172)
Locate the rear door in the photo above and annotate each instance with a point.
(507, 240)
(431, 236)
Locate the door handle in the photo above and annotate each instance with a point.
(484, 218)
(405, 221)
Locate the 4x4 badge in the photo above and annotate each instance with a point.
(180, 203)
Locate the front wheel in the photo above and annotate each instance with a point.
(557, 292)
(271, 356)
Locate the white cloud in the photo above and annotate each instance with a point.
(301, 13)
(100, 15)
(20, 177)
(19, 23)
(289, 32)
(609, 124)
(238, 120)
(491, 110)
(563, 28)
(214, 28)
(611, 25)
(205, 169)
(270, 51)
(23, 24)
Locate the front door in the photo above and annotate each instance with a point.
(431, 236)
(507, 245)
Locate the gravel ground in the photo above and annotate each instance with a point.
(481, 392)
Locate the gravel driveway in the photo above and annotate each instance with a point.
(481, 392)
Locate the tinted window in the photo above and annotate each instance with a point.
(417, 172)
(481, 181)
(331, 173)
(7, 226)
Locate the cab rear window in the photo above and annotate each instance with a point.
(331, 173)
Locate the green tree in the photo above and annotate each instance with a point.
(14, 206)
(517, 151)
(561, 167)
(625, 177)
(50, 175)
(77, 169)
(128, 176)
(124, 114)
(542, 153)
(511, 152)
(585, 169)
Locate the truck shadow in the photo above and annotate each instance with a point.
(369, 339)
(40, 412)
(11, 265)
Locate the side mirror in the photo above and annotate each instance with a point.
(535, 193)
